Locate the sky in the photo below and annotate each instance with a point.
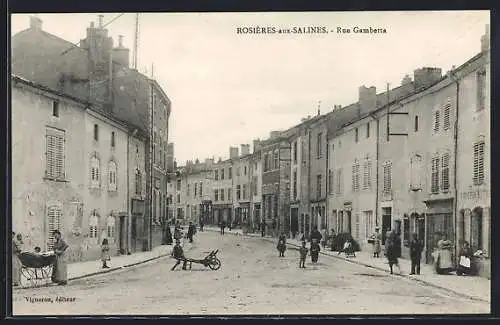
(228, 88)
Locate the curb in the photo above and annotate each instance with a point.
(377, 268)
(99, 272)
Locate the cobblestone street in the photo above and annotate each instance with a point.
(252, 280)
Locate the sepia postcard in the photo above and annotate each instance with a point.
(252, 163)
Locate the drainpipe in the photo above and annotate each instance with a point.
(455, 143)
(309, 180)
(377, 158)
(327, 179)
(129, 215)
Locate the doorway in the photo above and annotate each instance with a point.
(386, 222)
(133, 234)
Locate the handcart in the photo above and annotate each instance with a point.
(210, 261)
(36, 268)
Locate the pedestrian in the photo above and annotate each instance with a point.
(178, 254)
(315, 249)
(332, 240)
(415, 254)
(315, 234)
(282, 244)
(169, 240)
(376, 240)
(391, 250)
(222, 227)
(191, 232)
(303, 254)
(16, 263)
(60, 270)
(464, 262)
(177, 232)
(201, 224)
(230, 224)
(263, 228)
(105, 253)
(324, 235)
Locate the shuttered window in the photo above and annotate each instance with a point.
(54, 213)
(387, 173)
(55, 140)
(435, 175)
(436, 121)
(445, 172)
(94, 172)
(478, 168)
(111, 229)
(93, 228)
(446, 114)
(355, 176)
(112, 176)
(330, 181)
(356, 226)
(367, 174)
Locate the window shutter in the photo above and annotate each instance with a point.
(387, 177)
(53, 215)
(436, 121)
(367, 175)
(446, 114)
(478, 171)
(445, 172)
(435, 175)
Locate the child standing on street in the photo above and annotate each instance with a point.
(178, 254)
(303, 254)
(105, 253)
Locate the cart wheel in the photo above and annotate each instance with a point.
(215, 264)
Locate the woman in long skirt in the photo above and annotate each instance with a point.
(60, 270)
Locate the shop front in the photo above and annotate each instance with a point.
(439, 224)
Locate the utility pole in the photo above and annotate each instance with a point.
(150, 166)
(136, 41)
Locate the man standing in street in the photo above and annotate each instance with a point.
(263, 228)
(191, 231)
(415, 254)
(222, 226)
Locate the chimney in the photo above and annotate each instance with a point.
(99, 45)
(121, 54)
(406, 80)
(426, 76)
(245, 149)
(485, 39)
(367, 99)
(256, 145)
(35, 23)
(274, 134)
(233, 152)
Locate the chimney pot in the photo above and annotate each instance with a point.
(120, 40)
(35, 22)
(92, 24)
(100, 21)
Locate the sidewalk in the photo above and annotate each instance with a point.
(80, 270)
(473, 287)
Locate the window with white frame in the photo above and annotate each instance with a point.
(355, 176)
(222, 194)
(416, 172)
(478, 162)
(369, 224)
(110, 229)
(94, 172)
(367, 174)
(238, 192)
(319, 148)
(93, 228)
(112, 176)
(229, 191)
(222, 173)
(435, 174)
(387, 177)
(201, 189)
(446, 114)
(436, 121)
(276, 160)
(195, 189)
(330, 181)
(55, 140)
(54, 213)
(216, 195)
(244, 190)
(445, 172)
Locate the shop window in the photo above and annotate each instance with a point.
(477, 229)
